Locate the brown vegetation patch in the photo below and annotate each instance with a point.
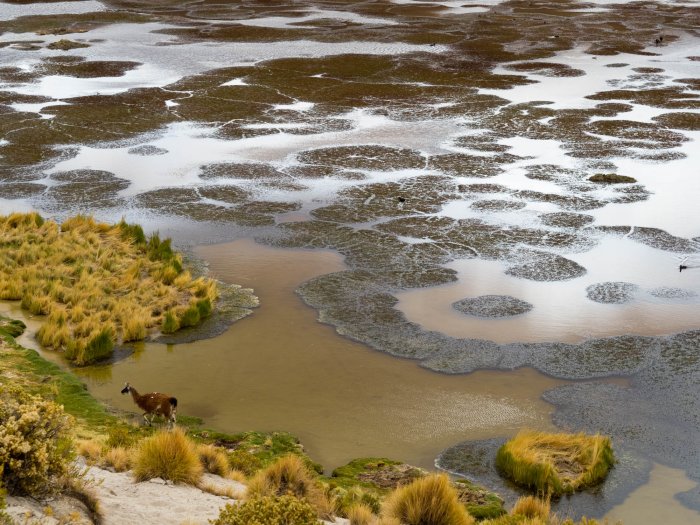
(681, 120)
(66, 45)
(81, 68)
(463, 165)
(611, 178)
(81, 189)
(497, 205)
(566, 219)
(423, 194)
(240, 171)
(368, 157)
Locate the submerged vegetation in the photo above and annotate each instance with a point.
(555, 464)
(97, 284)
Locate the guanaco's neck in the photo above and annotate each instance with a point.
(134, 394)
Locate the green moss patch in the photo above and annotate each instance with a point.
(377, 473)
(480, 502)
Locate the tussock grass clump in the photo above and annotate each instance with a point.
(214, 460)
(430, 499)
(91, 450)
(530, 510)
(290, 476)
(98, 284)
(532, 507)
(168, 455)
(119, 458)
(346, 498)
(555, 463)
(360, 514)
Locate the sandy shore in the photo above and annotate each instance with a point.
(125, 502)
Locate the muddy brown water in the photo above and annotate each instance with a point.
(280, 369)
(655, 502)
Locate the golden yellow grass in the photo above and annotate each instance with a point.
(119, 458)
(168, 454)
(430, 499)
(555, 463)
(360, 514)
(237, 475)
(532, 507)
(289, 476)
(90, 449)
(213, 460)
(98, 284)
(530, 510)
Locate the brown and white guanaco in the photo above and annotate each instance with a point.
(153, 404)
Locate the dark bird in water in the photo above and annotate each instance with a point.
(682, 267)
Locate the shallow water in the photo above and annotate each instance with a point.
(562, 311)
(10, 11)
(280, 369)
(655, 502)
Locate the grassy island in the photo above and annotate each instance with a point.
(97, 284)
(555, 464)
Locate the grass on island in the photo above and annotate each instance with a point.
(97, 284)
(555, 464)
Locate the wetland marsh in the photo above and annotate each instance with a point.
(429, 180)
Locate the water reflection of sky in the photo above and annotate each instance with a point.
(562, 311)
(164, 59)
(11, 11)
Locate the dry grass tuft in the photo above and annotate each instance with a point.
(387, 520)
(430, 499)
(289, 476)
(98, 284)
(555, 463)
(360, 514)
(213, 460)
(532, 507)
(530, 510)
(168, 454)
(237, 475)
(119, 458)
(91, 450)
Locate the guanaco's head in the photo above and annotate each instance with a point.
(126, 389)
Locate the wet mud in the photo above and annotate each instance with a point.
(492, 306)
